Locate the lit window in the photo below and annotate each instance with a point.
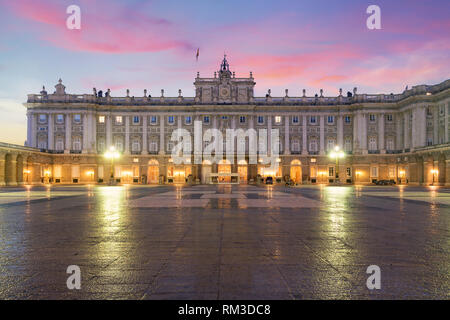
(119, 119)
(101, 119)
(277, 119)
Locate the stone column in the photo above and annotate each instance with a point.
(304, 136)
(322, 135)
(161, 134)
(435, 124)
(92, 136)
(398, 142)
(381, 134)
(422, 125)
(446, 116)
(127, 134)
(68, 133)
(340, 131)
(286, 136)
(85, 134)
(108, 132)
(356, 137)
(30, 118)
(50, 132)
(406, 140)
(144, 134)
(363, 132)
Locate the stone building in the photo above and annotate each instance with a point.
(401, 137)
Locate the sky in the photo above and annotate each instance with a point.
(287, 44)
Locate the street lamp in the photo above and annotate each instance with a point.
(337, 154)
(112, 154)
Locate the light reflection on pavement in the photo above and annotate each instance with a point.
(224, 242)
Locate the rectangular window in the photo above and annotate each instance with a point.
(330, 119)
(206, 119)
(331, 171)
(119, 119)
(42, 118)
(295, 119)
(224, 117)
(101, 119)
(348, 119)
(389, 117)
(59, 118)
(77, 118)
(260, 119)
(153, 119)
(349, 172)
(312, 119)
(242, 119)
(136, 119)
(372, 117)
(171, 119)
(188, 119)
(277, 119)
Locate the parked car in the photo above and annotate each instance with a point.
(269, 180)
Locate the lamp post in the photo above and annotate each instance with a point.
(337, 154)
(112, 154)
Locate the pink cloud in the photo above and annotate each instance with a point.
(116, 30)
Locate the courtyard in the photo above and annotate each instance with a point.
(224, 242)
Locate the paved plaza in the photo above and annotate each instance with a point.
(224, 242)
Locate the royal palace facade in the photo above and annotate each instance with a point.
(400, 137)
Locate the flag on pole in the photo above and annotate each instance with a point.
(198, 52)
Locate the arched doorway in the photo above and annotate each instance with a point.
(224, 167)
(19, 169)
(206, 171)
(296, 171)
(153, 171)
(243, 171)
(28, 171)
